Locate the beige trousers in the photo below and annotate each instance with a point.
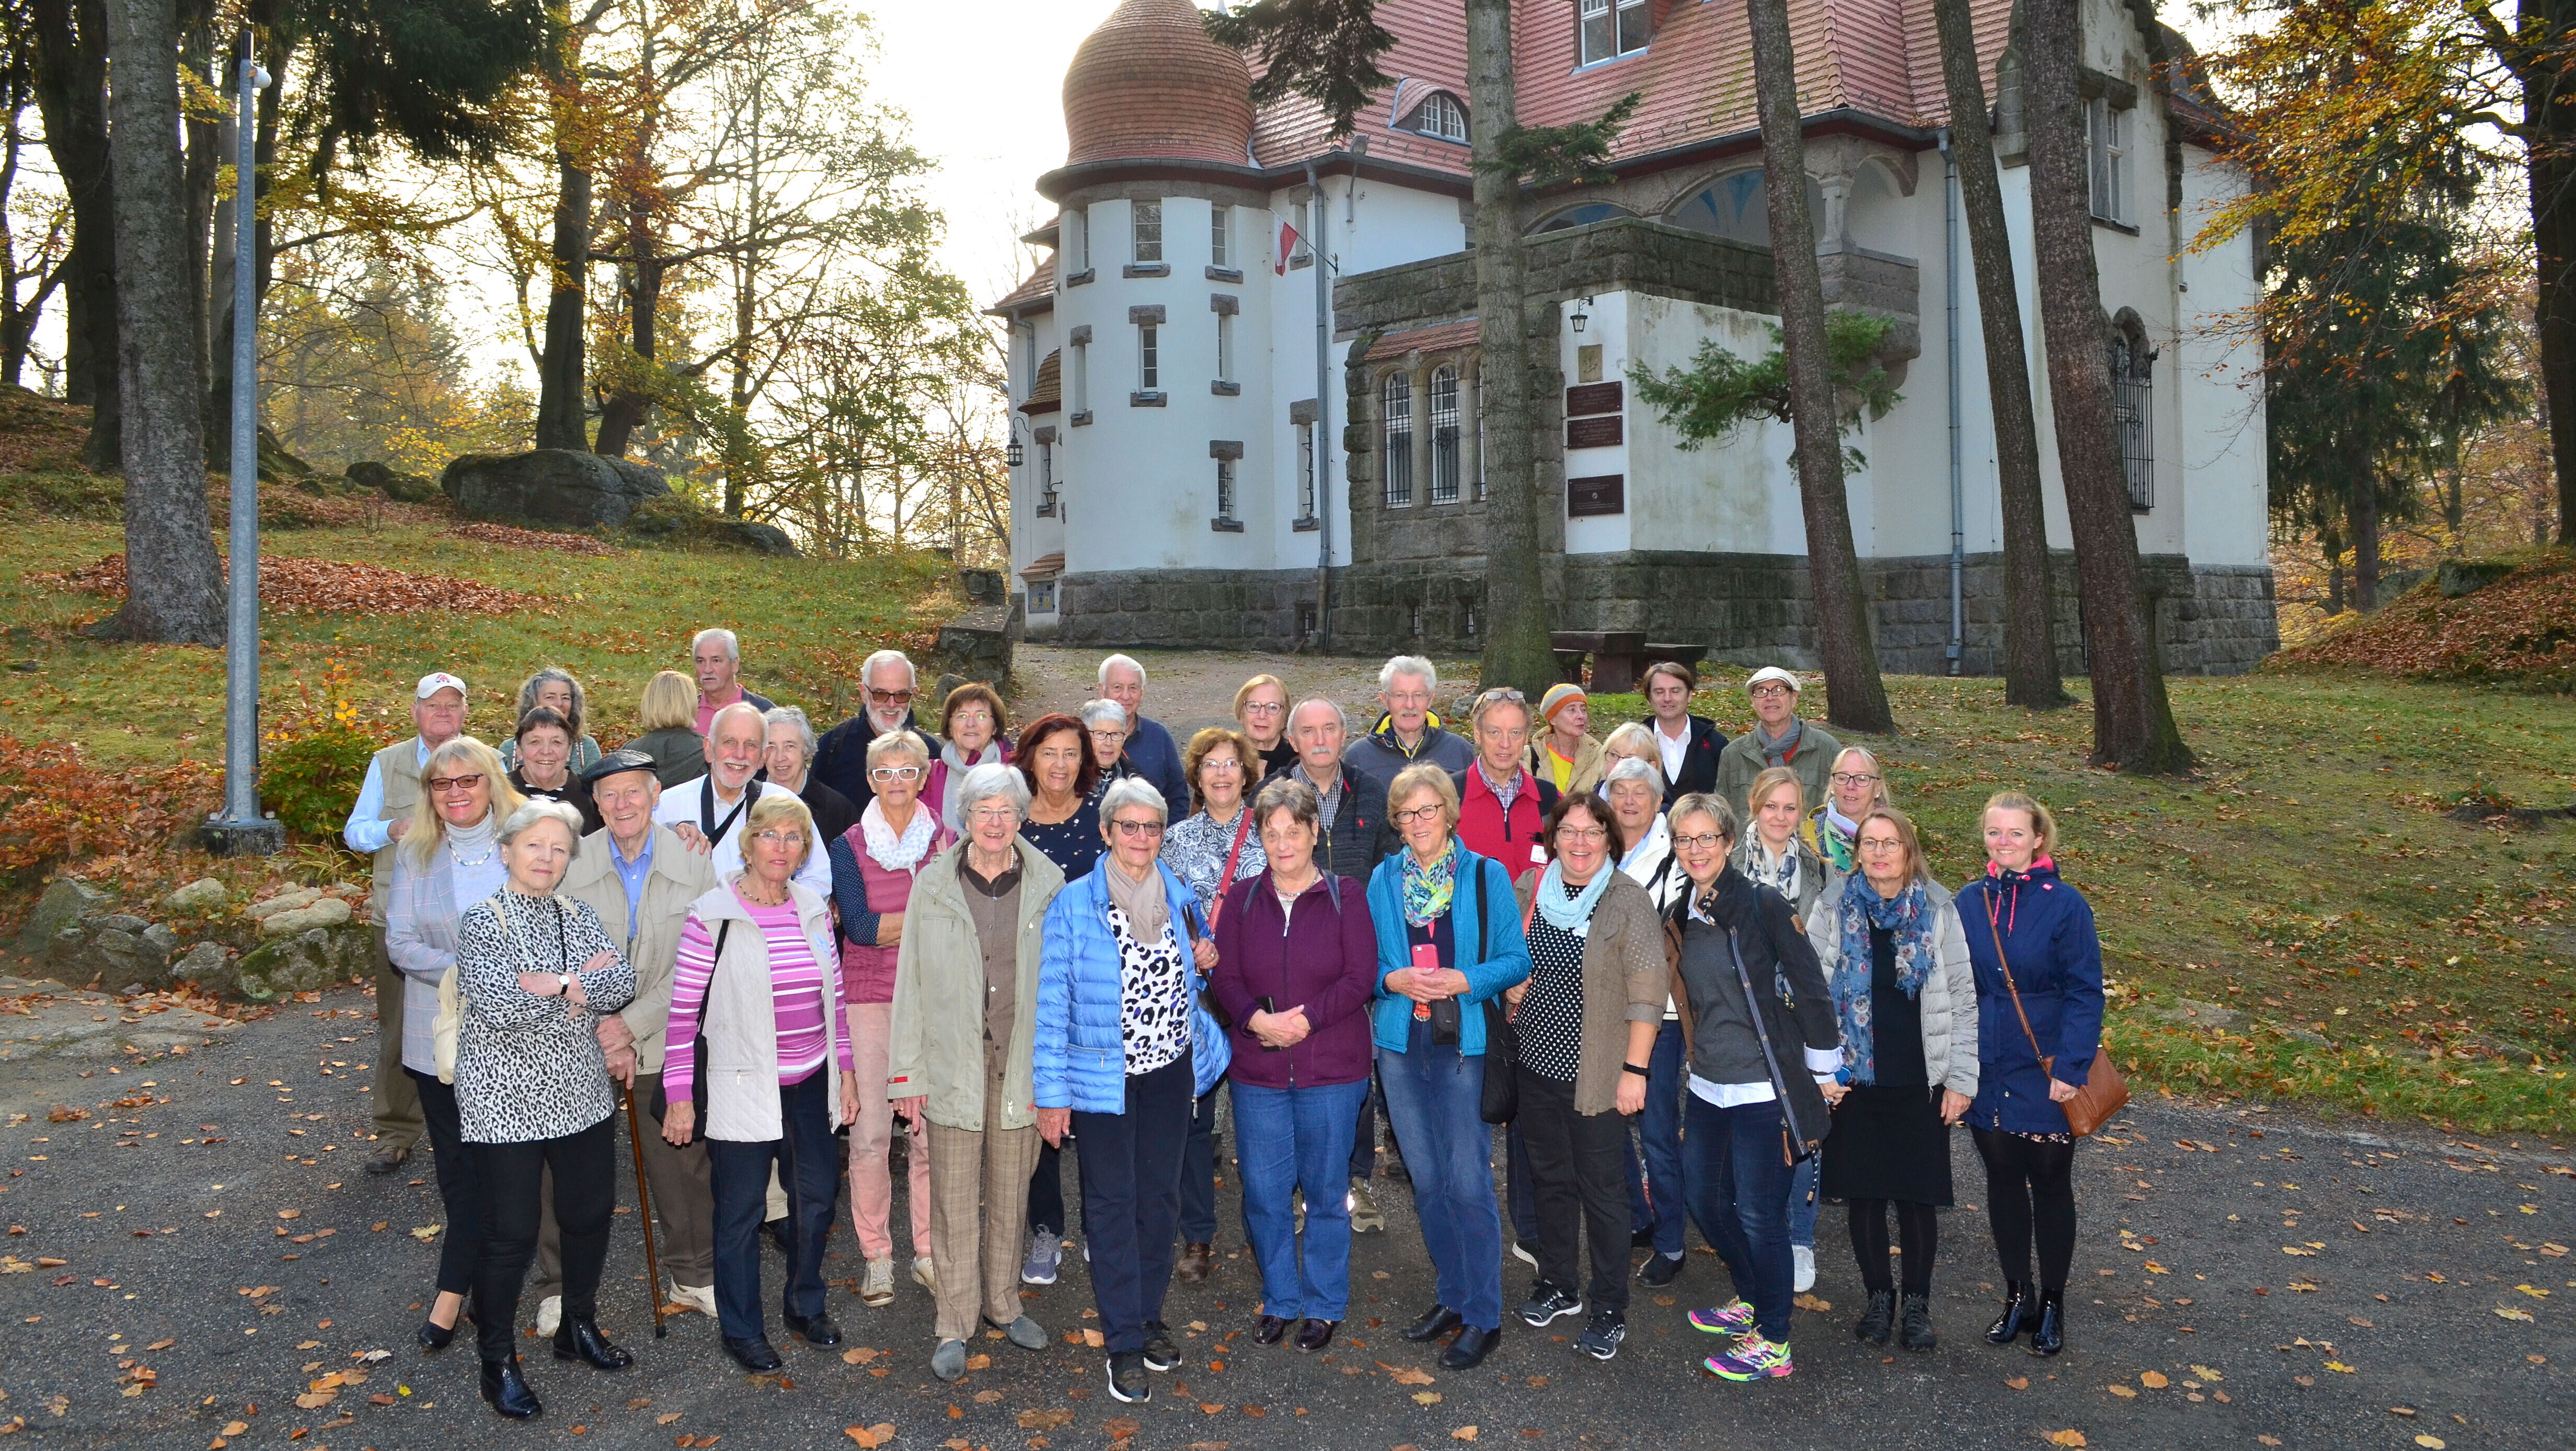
(871, 1181)
(979, 1192)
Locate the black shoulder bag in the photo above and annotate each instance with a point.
(659, 1104)
(1796, 1143)
(1501, 1100)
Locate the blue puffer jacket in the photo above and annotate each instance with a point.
(1391, 1020)
(2047, 932)
(1081, 1057)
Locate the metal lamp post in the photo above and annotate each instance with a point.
(239, 829)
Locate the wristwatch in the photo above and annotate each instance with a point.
(563, 984)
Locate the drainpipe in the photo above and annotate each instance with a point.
(1958, 493)
(1323, 414)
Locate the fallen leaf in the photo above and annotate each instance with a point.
(2153, 1380)
(2269, 1440)
(1406, 1375)
(858, 1355)
(1121, 1427)
(2509, 1313)
(2536, 1294)
(2066, 1438)
(160, 1345)
(979, 1362)
(2338, 1367)
(1426, 1398)
(1045, 1420)
(290, 1214)
(986, 1398)
(2019, 1382)
(666, 1418)
(2430, 1442)
(427, 1232)
(639, 1403)
(1094, 1339)
(2205, 1373)
(235, 1428)
(1813, 1304)
(1463, 1433)
(2126, 1393)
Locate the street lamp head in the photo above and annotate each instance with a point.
(1582, 314)
(256, 74)
(1014, 455)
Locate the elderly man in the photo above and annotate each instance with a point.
(1149, 747)
(717, 656)
(1689, 743)
(378, 820)
(1500, 804)
(707, 813)
(1405, 686)
(1778, 738)
(890, 683)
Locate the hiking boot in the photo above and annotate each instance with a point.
(1878, 1321)
(1917, 1333)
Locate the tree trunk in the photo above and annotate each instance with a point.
(632, 402)
(1855, 694)
(560, 417)
(2030, 627)
(204, 155)
(2365, 542)
(173, 579)
(71, 92)
(1516, 609)
(2133, 724)
(2552, 152)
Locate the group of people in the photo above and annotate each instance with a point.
(1696, 979)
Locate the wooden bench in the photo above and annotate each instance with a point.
(1619, 657)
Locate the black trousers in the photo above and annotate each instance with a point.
(2030, 1194)
(1918, 1231)
(1578, 1180)
(460, 1183)
(585, 1175)
(1131, 1199)
(809, 1168)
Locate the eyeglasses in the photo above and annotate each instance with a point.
(1502, 692)
(441, 785)
(891, 697)
(1704, 842)
(1107, 736)
(1877, 844)
(1852, 778)
(1138, 828)
(1413, 814)
(969, 717)
(1220, 763)
(1262, 707)
(993, 814)
(779, 836)
(1585, 834)
(895, 773)
(1769, 690)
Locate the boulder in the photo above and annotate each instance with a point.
(161, 940)
(314, 959)
(111, 957)
(551, 486)
(205, 894)
(208, 966)
(405, 488)
(283, 902)
(2467, 576)
(114, 922)
(758, 538)
(64, 903)
(328, 912)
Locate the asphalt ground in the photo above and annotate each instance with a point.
(2242, 1278)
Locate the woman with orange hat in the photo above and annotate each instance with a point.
(1567, 755)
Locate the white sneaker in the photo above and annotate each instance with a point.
(1805, 1258)
(878, 1289)
(925, 1274)
(701, 1298)
(549, 1315)
(1522, 1253)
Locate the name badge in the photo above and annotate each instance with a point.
(1538, 855)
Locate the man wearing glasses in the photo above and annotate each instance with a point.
(707, 813)
(1779, 738)
(841, 757)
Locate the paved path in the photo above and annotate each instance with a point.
(214, 1230)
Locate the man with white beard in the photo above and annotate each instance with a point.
(889, 683)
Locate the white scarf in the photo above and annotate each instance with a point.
(898, 853)
(958, 766)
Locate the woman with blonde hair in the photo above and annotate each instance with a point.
(1261, 709)
(1772, 855)
(447, 861)
(669, 717)
(1854, 783)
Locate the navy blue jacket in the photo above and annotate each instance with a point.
(2046, 929)
(1153, 755)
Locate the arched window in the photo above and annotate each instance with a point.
(1396, 395)
(1579, 216)
(1444, 434)
(2132, 376)
(1439, 115)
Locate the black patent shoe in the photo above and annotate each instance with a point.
(1915, 1328)
(506, 1391)
(1314, 1335)
(753, 1353)
(579, 1339)
(1877, 1322)
(1437, 1321)
(2049, 1336)
(434, 1336)
(2019, 1313)
(817, 1330)
(1273, 1328)
(1471, 1347)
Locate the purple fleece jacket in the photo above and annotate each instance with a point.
(1325, 960)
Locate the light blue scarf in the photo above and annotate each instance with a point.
(1565, 913)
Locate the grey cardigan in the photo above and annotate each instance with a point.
(1949, 996)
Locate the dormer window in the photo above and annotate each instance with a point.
(1438, 116)
(1613, 28)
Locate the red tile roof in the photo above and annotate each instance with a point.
(1150, 83)
(1439, 337)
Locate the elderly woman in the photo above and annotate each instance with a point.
(1261, 709)
(962, 1053)
(449, 860)
(1856, 784)
(556, 690)
(1772, 855)
(1634, 787)
(1448, 940)
(787, 753)
(875, 866)
(1105, 724)
(1212, 850)
(669, 716)
(1063, 823)
(1585, 1033)
(1762, 1065)
(1122, 1052)
(972, 722)
(1896, 962)
(544, 769)
(2039, 1027)
(758, 1049)
(537, 972)
(1567, 756)
(1296, 970)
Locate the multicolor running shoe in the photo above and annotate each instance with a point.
(1732, 1318)
(1751, 1358)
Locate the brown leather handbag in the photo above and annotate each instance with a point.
(2104, 1092)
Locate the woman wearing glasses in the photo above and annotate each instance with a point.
(1105, 723)
(1448, 939)
(1123, 1049)
(1063, 823)
(1858, 784)
(971, 722)
(788, 754)
(874, 867)
(1261, 708)
(448, 860)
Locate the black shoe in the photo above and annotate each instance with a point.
(2049, 1336)
(1917, 1333)
(1602, 1334)
(1547, 1302)
(1642, 1238)
(506, 1391)
(2019, 1315)
(579, 1339)
(818, 1330)
(1160, 1353)
(1437, 1321)
(1661, 1270)
(1877, 1322)
(388, 1159)
(1127, 1379)
(1471, 1347)
(1315, 1334)
(753, 1353)
(1273, 1329)
(434, 1336)
(777, 1231)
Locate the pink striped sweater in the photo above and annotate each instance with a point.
(797, 982)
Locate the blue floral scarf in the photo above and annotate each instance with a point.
(1428, 890)
(1909, 918)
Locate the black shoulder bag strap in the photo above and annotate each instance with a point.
(659, 1104)
(1795, 1142)
(707, 823)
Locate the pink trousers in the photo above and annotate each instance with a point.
(871, 1182)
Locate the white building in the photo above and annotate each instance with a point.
(1171, 402)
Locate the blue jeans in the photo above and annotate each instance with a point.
(1432, 1097)
(1131, 1199)
(1802, 1202)
(1285, 1139)
(1738, 1183)
(1198, 1173)
(1655, 1187)
(809, 1169)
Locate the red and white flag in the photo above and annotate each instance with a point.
(1287, 246)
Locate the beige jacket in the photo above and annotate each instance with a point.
(938, 1036)
(679, 877)
(399, 764)
(1624, 981)
(738, 1032)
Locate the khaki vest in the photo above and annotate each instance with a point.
(398, 765)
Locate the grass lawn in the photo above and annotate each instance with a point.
(2299, 918)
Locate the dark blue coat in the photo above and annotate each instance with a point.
(2046, 929)
(1151, 751)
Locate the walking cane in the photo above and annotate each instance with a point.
(644, 1211)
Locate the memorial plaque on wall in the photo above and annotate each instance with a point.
(1606, 431)
(1599, 494)
(1590, 398)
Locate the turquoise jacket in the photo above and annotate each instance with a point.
(1492, 956)
(1080, 1054)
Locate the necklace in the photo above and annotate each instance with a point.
(756, 898)
(458, 858)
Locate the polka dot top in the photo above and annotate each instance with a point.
(1550, 1023)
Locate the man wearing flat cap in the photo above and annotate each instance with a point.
(1780, 737)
